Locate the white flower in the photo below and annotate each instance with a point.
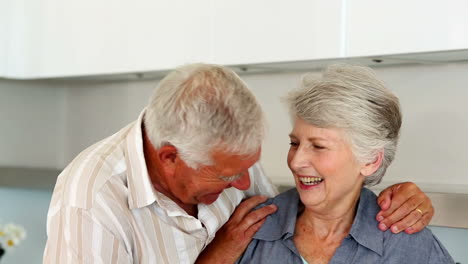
(16, 232)
(11, 235)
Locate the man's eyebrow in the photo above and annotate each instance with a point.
(231, 178)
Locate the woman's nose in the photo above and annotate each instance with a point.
(298, 160)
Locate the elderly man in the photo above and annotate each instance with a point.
(158, 191)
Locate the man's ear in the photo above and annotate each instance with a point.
(167, 156)
(373, 166)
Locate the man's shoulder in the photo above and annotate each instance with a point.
(85, 177)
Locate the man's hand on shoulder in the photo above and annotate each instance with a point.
(404, 207)
(232, 239)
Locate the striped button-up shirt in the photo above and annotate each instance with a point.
(104, 209)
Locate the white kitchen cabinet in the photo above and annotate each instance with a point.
(56, 38)
(53, 38)
(393, 27)
(50, 38)
(4, 6)
(261, 31)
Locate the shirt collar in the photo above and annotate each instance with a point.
(141, 192)
(364, 229)
(282, 223)
(140, 189)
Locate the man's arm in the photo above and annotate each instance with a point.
(404, 207)
(232, 239)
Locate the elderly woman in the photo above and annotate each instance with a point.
(345, 131)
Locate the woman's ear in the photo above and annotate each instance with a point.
(371, 167)
(167, 156)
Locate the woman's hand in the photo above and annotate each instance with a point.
(404, 207)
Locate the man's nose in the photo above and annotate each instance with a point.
(243, 183)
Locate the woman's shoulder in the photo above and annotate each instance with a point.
(284, 219)
(423, 245)
(273, 242)
(282, 222)
(281, 200)
(422, 238)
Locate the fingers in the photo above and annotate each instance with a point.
(423, 222)
(234, 236)
(385, 197)
(254, 228)
(252, 218)
(402, 214)
(427, 204)
(245, 221)
(393, 197)
(398, 194)
(409, 220)
(246, 206)
(406, 213)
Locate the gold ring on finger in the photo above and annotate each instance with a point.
(419, 210)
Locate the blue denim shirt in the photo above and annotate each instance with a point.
(274, 243)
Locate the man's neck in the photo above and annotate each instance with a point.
(158, 181)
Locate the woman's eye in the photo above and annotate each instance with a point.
(319, 147)
(293, 144)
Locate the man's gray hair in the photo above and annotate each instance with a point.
(199, 108)
(354, 99)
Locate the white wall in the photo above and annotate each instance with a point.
(96, 110)
(433, 146)
(32, 123)
(66, 118)
(432, 149)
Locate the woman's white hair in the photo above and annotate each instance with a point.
(200, 108)
(354, 99)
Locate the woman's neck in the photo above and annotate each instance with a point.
(330, 220)
(320, 230)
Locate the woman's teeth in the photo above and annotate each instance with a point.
(310, 180)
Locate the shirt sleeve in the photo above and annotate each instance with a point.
(75, 236)
(260, 184)
(439, 254)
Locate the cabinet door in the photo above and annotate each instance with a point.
(273, 30)
(70, 38)
(3, 39)
(392, 27)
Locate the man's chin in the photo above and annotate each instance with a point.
(209, 198)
